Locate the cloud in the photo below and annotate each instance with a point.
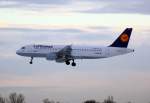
(41, 30)
(39, 2)
(117, 6)
(33, 5)
(87, 6)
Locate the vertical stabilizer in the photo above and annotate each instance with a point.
(123, 39)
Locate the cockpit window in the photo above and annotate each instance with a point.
(23, 48)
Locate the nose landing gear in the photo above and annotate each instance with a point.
(31, 61)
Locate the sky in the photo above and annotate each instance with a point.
(77, 22)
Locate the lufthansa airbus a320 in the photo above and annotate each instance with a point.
(69, 53)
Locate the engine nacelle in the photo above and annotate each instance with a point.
(51, 56)
(61, 60)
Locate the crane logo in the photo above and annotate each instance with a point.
(124, 38)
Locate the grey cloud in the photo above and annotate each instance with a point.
(99, 6)
(31, 3)
(117, 6)
(42, 30)
(36, 33)
(38, 1)
(29, 35)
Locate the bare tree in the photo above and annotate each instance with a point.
(48, 101)
(110, 99)
(14, 98)
(2, 99)
(91, 101)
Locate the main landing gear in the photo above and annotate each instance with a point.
(73, 63)
(31, 61)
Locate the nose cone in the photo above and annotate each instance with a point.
(18, 52)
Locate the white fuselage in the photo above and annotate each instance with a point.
(77, 52)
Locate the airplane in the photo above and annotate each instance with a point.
(69, 53)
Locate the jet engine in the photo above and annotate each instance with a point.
(51, 56)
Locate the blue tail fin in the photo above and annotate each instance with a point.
(123, 39)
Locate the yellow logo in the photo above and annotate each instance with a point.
(124, 38)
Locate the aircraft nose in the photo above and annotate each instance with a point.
(18, 52)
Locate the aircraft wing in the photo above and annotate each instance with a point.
(65, 53)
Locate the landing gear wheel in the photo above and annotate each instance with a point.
(67, 63)
(31, 62)
(73, 64)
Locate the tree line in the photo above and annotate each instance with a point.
(20, 98)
